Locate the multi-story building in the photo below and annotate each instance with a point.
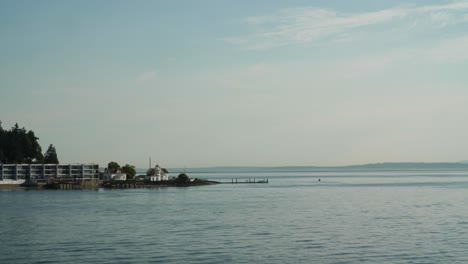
(18, 173)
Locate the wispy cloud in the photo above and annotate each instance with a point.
(259, 68)
(449, 51)
(309, 24)
(146, 76)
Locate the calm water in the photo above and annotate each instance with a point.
(348, 217)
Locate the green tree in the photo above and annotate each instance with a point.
(35, 150)
(19, 146)
(129, 170)
(50, 157)
(2, 155)
(2, 144)
(113, 166)
(182, 180)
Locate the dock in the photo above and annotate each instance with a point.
(71, 185)
(247, 181)
(68, 184)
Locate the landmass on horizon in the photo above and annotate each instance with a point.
(371, 166)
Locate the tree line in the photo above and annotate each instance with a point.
(18, 145)
(113, 167)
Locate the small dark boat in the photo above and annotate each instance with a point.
(52, 186)
(29, 184)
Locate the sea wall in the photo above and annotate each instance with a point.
(8, 181)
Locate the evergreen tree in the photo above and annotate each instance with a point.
(2, 155)
(35, 151)
(2, 136)
(50, 157)
(19, 146)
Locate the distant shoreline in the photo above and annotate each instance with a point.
(131, 184)
(386, 166)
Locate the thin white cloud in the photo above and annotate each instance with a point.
(259, 68)
(449, 51)
(309, 24)
(147, 76)
(454, 6)
(235, 41)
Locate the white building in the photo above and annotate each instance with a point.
(117, 176)
(18, 173)
(157, 174)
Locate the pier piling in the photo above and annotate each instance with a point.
(249, 180)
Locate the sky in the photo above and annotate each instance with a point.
(238, 83)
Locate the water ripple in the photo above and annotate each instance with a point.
(388, 219)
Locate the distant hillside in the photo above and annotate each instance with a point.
(374, 166)
(411, 165)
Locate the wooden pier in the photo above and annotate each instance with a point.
(134, 184)
(247, 181)
(71, 185)
(131, 184)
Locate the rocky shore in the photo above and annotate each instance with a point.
(181, 181)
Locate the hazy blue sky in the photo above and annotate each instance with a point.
(208, 83)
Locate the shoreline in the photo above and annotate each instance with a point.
(10, 187)
(104, 185)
